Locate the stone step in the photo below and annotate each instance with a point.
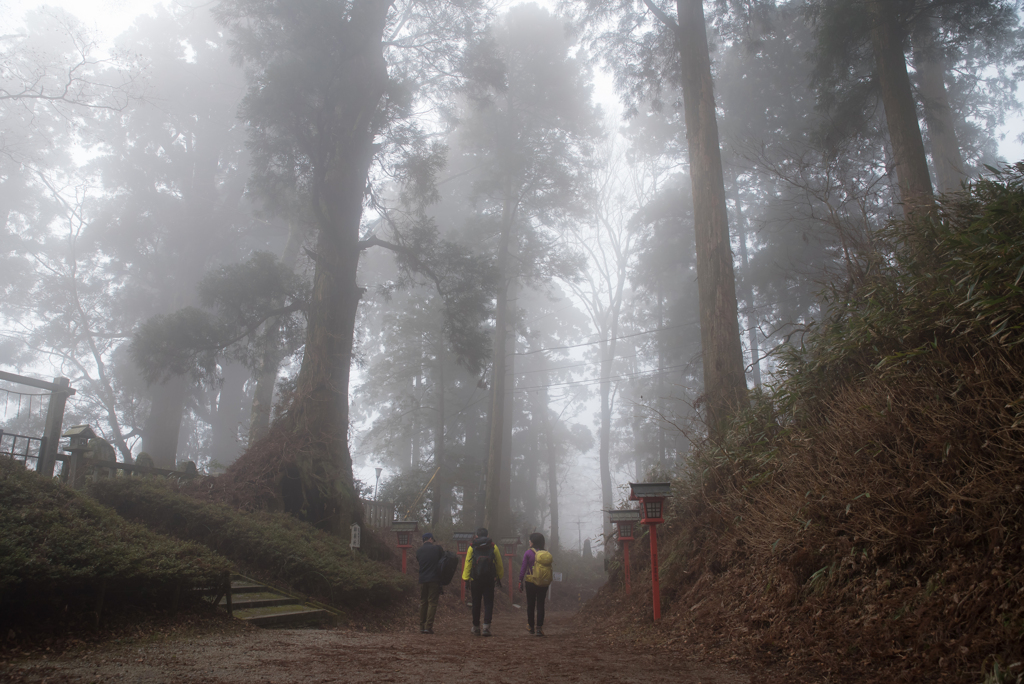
(292, 615)
(266, 606)
(246, 587)
(261, 599)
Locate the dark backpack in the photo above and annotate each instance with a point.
(483, 560)
(447, 566)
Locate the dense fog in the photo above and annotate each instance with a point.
(514, 255)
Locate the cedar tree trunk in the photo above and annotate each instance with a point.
(442, 512)
(938, 115)
(553, 543)
(725, 384)
(311, 438)
(224, 444)
(496, 517)
(912, 175)
(160, 432)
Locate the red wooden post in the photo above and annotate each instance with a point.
(508, 547)
(626, 521)
(651, 496)
(462, 541)
(655, 590)
(625, 558)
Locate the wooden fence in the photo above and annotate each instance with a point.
(378, 514)
(22, 448)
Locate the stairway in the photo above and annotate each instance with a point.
(265, 606)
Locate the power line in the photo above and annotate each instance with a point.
(623, 376)
(575, 365)
(621, 337)
(550, 313)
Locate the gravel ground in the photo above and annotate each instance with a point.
(565, 654)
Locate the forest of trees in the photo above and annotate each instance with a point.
(280, 237)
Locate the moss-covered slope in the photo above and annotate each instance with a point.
(56, 540)
(274, 547)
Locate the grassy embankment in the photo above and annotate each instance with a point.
(862, 520)
(144, 546)
(60, 550)
(273, 547)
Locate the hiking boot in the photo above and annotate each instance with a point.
(540, 631)
(530, 629)
(486, 631)
(428, 630)
(475, 631)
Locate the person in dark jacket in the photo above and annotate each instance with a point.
(484, 576)
(429, 557)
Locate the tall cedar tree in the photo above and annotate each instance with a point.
(526, 135)
(933, 28)
(321, 92)
(609, 242)
(724, 380)
(55, 85)
(173, 174)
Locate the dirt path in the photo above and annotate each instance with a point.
(450, 655)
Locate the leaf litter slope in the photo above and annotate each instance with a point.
(569, 653)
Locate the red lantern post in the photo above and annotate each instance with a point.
(651, 496)
(462, 541)
(508, 548)
(404, 529)
(626, 521)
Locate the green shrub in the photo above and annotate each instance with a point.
(274, 547)
(53, 538)
(951, 281)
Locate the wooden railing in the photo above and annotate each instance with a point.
(19, 448)
(79, 467)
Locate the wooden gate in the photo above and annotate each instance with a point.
(45, 454)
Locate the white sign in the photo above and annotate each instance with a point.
(558, 576)
(356, 533)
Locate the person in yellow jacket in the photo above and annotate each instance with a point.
(484, 568)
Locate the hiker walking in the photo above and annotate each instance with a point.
(485, 568)
(429, 556)
(536, 574)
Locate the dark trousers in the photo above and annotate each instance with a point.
(535, 597)
(482, 591)
(429, 591)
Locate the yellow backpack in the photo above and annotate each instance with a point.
(541, 574)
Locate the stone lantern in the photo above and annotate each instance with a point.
(626, 521)
(404, 529)
(651, 496)
(78, 444)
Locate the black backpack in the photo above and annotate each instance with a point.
(483, 560)
(447, 566)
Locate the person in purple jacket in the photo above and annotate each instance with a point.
(537, 578)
